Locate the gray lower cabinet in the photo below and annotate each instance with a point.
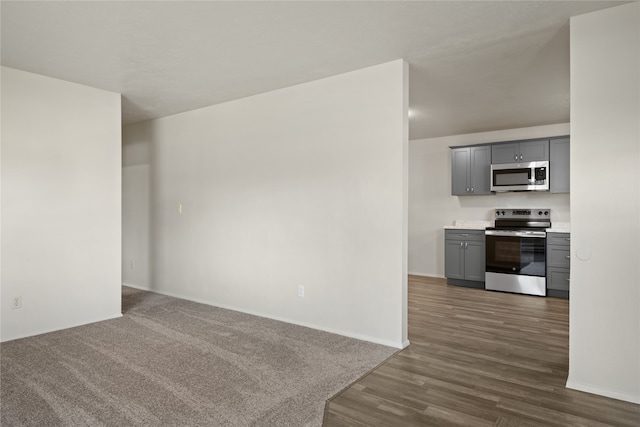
(559, 165)
(464, 258)
(470, 170)
(522, 151)
(558, 264)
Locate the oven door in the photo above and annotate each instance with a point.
(516, 252)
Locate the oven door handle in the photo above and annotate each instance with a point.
(536, 234)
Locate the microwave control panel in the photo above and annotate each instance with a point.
(540, 175)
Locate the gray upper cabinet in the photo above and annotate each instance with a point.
(523, 151)
(470, 170)
(460, 170)
(505, 153)
(559, 165)
(481, 170)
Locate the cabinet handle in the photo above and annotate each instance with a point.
(466, 245)
(461, 243)
(472, 189)
(568, 239)
(567, 256)
(520, 157)
(567, 279)
(465, 234)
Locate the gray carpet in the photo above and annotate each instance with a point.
(173, 362)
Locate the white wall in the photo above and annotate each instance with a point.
(300, 186)
(605, 211)
(431, 205)
(135, 226)
(136, 213)
(61, 150)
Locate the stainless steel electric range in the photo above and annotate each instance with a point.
(516, 251)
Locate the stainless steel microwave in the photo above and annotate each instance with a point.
(532, 176)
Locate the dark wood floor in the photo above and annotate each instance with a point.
(477, 358)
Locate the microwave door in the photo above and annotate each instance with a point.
(507, 179)
(520, 177)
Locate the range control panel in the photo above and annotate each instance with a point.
(504, 213)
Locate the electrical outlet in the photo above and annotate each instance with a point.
(16, 302)
(300, 291)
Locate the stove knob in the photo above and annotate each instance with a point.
(503, 213)
(546, 212)
(539, 212)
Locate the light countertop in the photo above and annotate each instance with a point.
(559, 227)
(469, 225)
(556, 227)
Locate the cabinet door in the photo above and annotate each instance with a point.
(558, 256)
(558, 278)
(559, 165)
(460, 171)
(474, 263)
(454, 259)
(515, 152)
(505, 153)
(480, 170)
(534, 151)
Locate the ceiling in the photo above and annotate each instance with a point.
(474, 65)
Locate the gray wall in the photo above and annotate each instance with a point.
(300, 186)
(61, 178)
(605, 208)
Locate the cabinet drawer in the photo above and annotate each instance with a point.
(467, 235)
(559, 239)
(558, 256)
(558, 278)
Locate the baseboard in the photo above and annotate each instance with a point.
(362, 337)
(431, 279)
(73, 325)
(432, 276)
(603, 392)
(142, 288)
